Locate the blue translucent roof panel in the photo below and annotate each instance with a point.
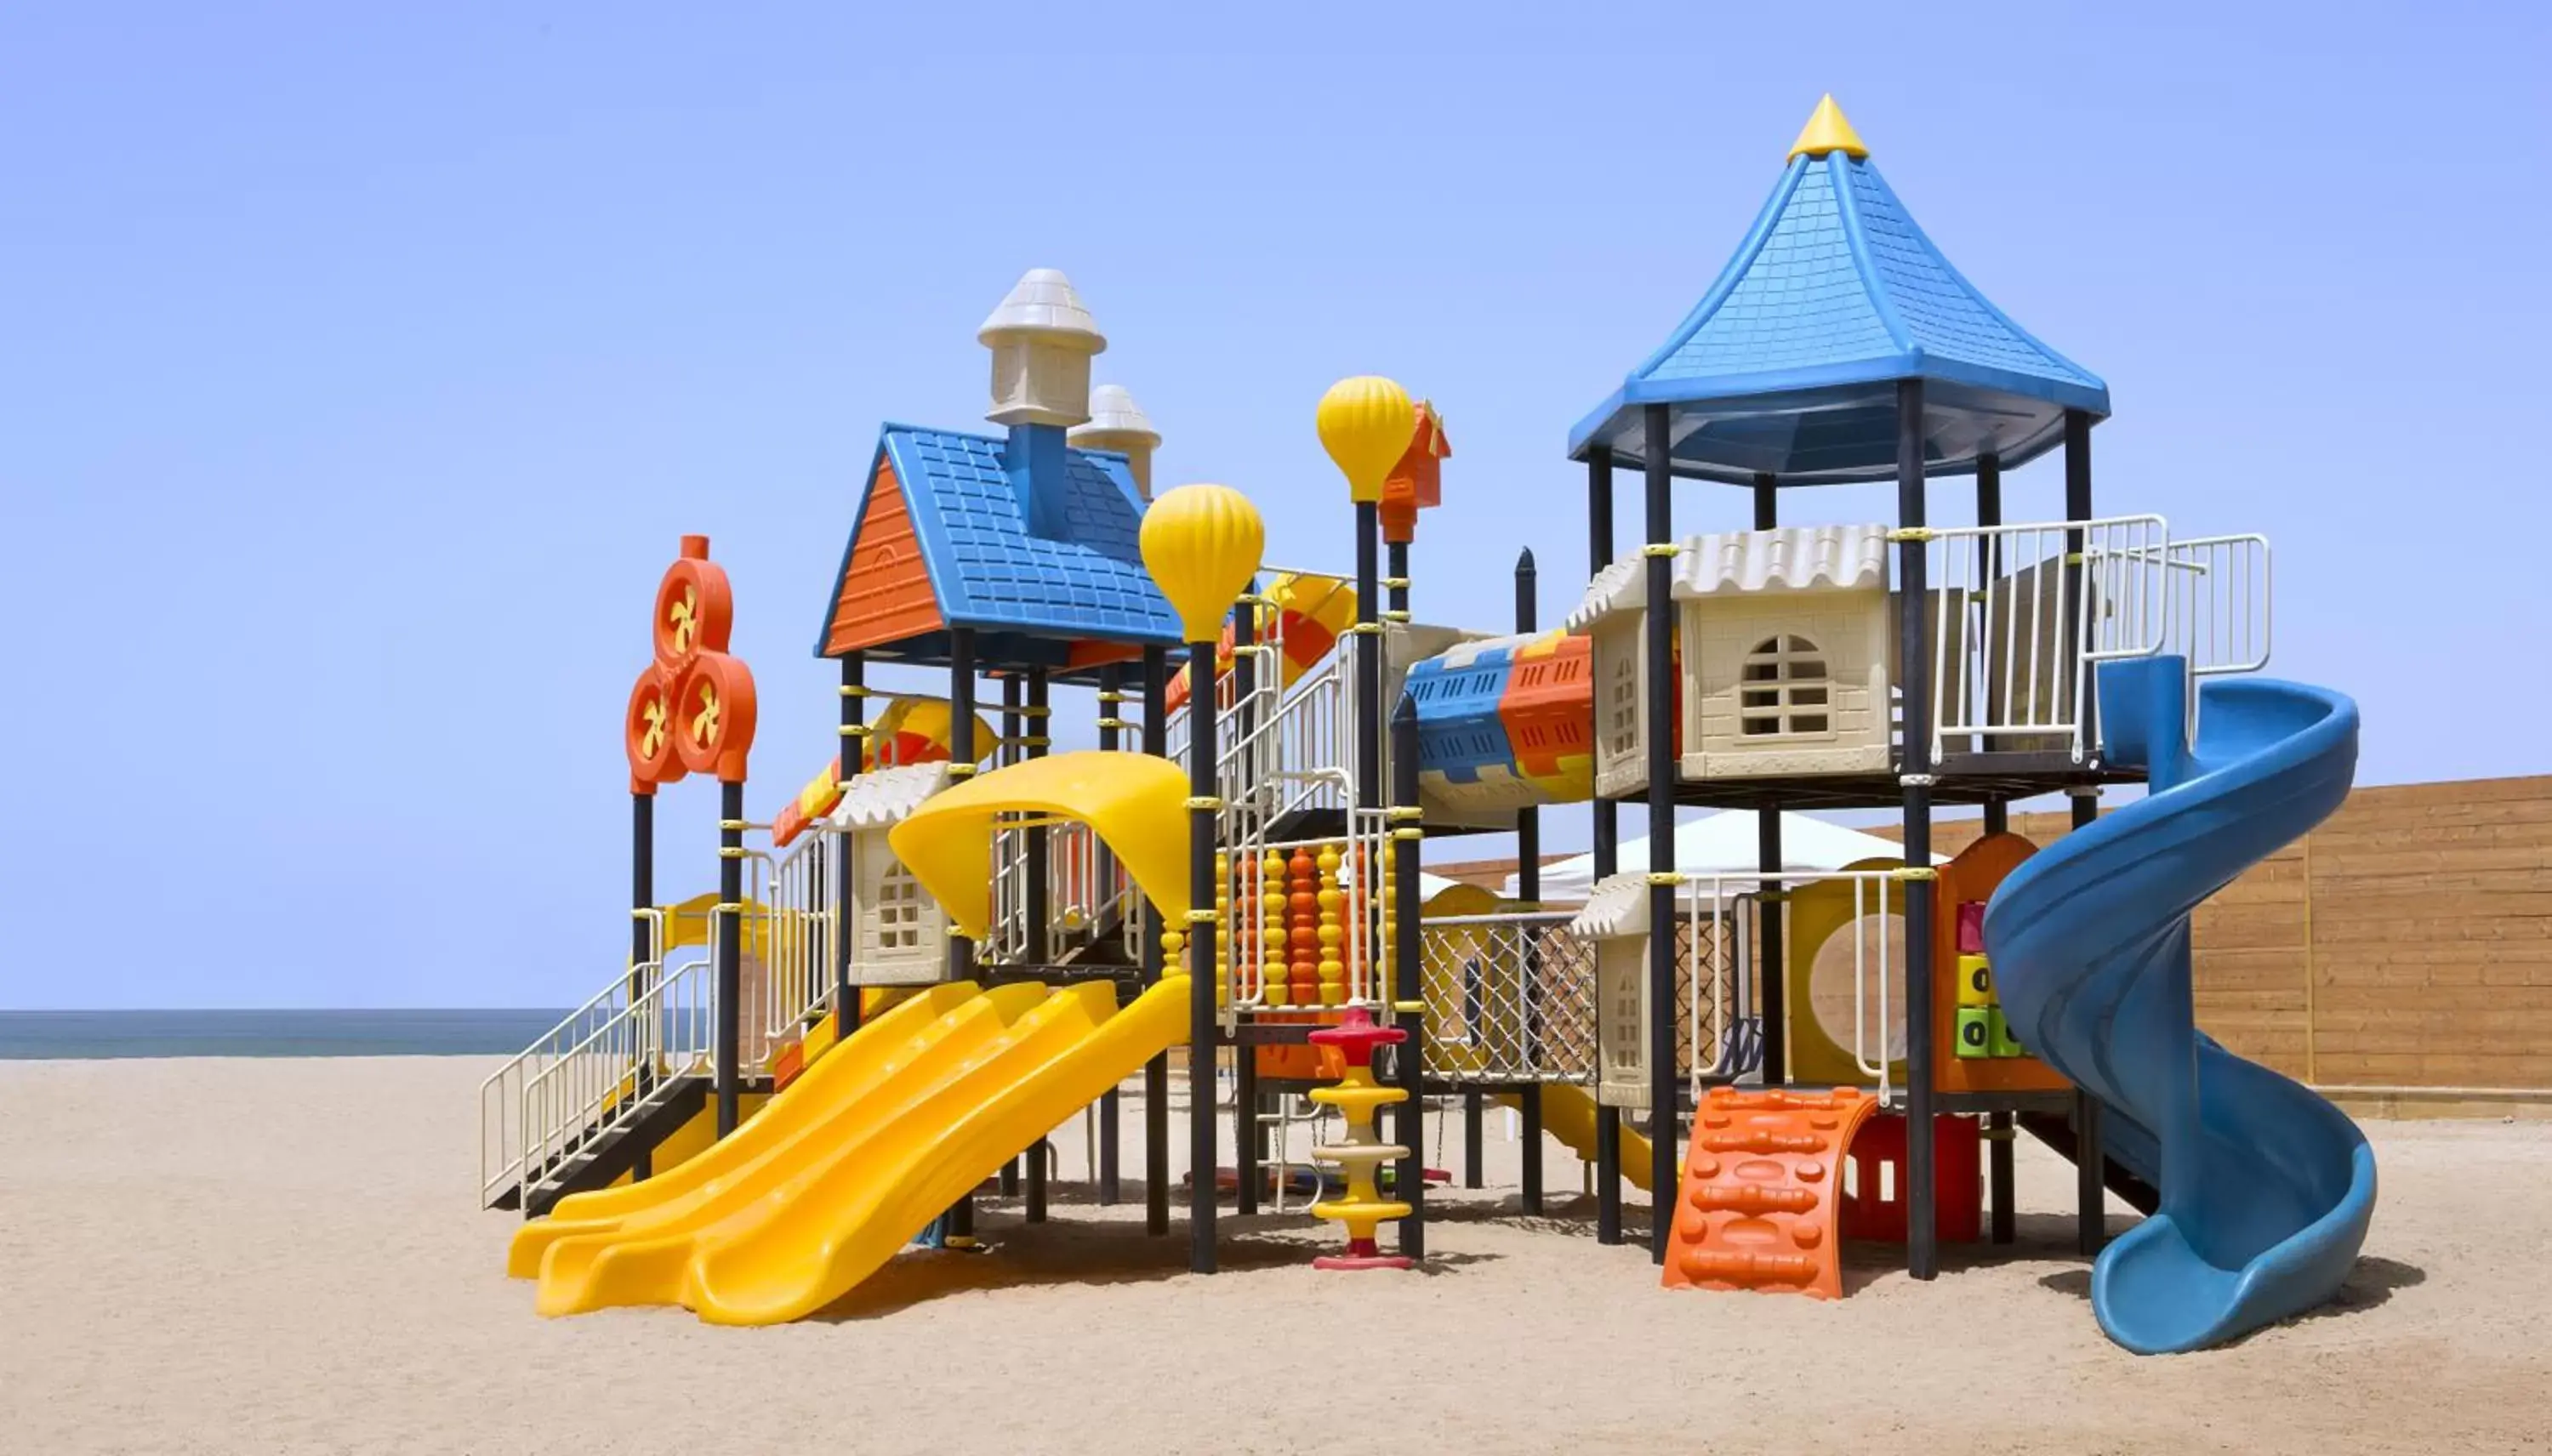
(1789, 361)
(990, 571)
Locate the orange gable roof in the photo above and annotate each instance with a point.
(886, 593)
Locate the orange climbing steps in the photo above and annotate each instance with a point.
(1761, 1197)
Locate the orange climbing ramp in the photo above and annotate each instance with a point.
(1761, 1198)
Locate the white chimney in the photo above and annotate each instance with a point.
(1041, 338)
(1118, 422)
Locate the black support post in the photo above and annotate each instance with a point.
(1771, 911)
(1157, 1072)
(1203, 973)
(1003, 757)
(1039, 897)
(1112, 696)
(642, 938)
(1368, 660)
(1528, 608)
(962, 755)
(1407, 998)
(854, 735)
(730, 952)
(2089, 1158)
(1605, 828)
(1914, 779)
(1999, 1183)
(1666, 1087)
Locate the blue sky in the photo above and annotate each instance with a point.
(366, 362)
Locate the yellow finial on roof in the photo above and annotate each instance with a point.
(1827, 131)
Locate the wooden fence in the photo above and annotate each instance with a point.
(2405, 946)
(2402, 953)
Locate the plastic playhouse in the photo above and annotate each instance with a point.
(954, 940)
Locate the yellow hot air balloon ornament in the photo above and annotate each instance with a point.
(1365, 422)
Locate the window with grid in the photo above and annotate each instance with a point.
(898, 909)
(1785, 690)
(1622, 707)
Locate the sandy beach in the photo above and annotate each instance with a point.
(285, 1256)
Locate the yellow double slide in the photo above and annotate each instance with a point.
(886, 1131)
(841, 1171)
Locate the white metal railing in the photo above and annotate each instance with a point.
(2022, 614)
(603, 1080)
(502, 1133)
(1510, 997)
(1255, 966)
(799, 929)
(2220, 603)
(1719, 954)
(1085, 888)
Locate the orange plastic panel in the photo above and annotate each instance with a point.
(1549, 713)
(1762, 1192)
(886, 593)
(1974, 876)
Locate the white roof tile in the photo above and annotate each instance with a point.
(888, 795)
(1620, 587)
(1615, 910)
(1792, 558)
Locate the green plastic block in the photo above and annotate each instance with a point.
(1975, 1031)
(1998, 1037)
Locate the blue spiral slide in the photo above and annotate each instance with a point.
(2266, 1187)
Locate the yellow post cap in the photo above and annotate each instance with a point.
(1201, 545)
(1365, 424)
(1827, 131)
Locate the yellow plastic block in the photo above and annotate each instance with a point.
(1975, 981)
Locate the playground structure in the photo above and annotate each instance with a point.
(961, 939)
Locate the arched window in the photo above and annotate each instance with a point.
(1785, 689)
(898, 909)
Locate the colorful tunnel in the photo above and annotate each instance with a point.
(1506, 723)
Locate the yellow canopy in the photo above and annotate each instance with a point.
(1135, 802)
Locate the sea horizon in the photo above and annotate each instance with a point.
(422, 1031)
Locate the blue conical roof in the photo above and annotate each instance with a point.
(1789, 364)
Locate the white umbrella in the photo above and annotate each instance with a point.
(1722, 843)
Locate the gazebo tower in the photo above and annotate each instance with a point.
(1837, 345)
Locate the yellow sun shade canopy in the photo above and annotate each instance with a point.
(1134, 802)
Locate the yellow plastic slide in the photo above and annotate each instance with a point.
(1568, 1115)
(891, 1128)
(798, 1227)
(745, 1163)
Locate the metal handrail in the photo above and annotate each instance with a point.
(498, 1162)
(2083, 592)
(603, 1079)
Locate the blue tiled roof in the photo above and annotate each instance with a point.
(992, 575)
(1788, 364)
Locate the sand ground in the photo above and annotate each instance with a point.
(285, 1256)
